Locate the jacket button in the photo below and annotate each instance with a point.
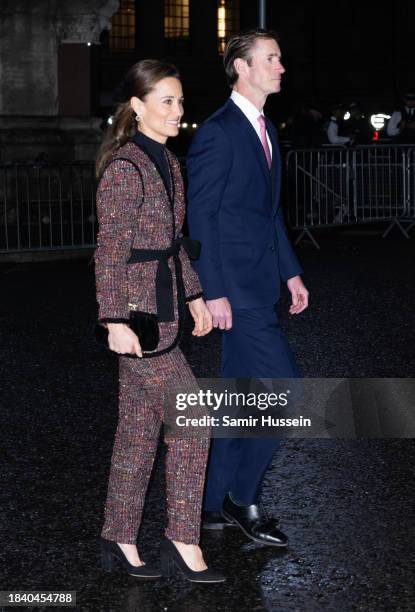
(272, 248)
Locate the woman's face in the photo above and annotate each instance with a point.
(161, 111)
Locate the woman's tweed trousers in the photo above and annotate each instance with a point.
(135, 211)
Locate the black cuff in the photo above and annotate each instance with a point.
(109, 320)
(196, 296)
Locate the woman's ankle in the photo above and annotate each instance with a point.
(191, 554)
(131, 553)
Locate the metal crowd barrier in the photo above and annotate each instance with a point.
(47, 207)
(411, 189)
(339, 186)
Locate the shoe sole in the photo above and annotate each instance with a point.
(251, 537)
(138, 576)
(179, 570)
(207, 581)
(146, 577)
(217, 526)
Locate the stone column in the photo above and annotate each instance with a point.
(78, 27)
(28, 83)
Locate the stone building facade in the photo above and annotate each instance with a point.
(62, 61)
(44, 46)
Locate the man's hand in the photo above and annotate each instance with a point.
(299, 295)
(221, 312)
(201, 317)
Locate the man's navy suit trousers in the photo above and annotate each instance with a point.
(255, 347)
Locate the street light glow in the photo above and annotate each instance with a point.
(378, 121)
(222, 20)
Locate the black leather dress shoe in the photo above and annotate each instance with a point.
(253, 523)
(215, 520)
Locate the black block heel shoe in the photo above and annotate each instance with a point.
(110, 549)
(171, 559)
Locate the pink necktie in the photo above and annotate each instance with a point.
(264, 141)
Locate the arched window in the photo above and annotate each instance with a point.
(122, 33)
(176, 18)
(228, 21)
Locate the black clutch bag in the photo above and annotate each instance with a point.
(144, 324)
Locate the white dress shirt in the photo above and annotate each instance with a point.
(251, 113)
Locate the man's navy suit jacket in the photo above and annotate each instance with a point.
(234, 211)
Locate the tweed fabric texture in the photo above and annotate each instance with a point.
(132, 217)
(135, 211)
(140, 418)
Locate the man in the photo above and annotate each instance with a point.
(234, 181)
(401, 125)
(333, 125)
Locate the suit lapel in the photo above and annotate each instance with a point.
(276, 165)
(255, 141)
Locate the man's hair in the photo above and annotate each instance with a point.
(241, 45)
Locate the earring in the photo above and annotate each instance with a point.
(137, 118)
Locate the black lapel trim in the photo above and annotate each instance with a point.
(170, 194)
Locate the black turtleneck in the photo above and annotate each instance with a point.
(157, 153)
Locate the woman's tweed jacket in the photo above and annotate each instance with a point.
(135, 211)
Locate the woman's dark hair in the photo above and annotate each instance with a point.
(240, 45)
(139, 81)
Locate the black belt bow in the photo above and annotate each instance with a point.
(164, 279)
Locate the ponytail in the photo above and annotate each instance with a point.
(123, 127)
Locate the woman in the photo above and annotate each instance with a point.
(141, 265)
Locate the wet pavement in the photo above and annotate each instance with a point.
(346, 505)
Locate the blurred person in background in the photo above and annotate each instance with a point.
(335, 125)
(401, 125)
(358, 125)
(305, 127)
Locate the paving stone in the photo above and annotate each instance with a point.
(346, 505)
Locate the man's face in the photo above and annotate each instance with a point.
(409, 102)
(265, 72)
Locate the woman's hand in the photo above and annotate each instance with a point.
(121, 339)
(201, 317)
